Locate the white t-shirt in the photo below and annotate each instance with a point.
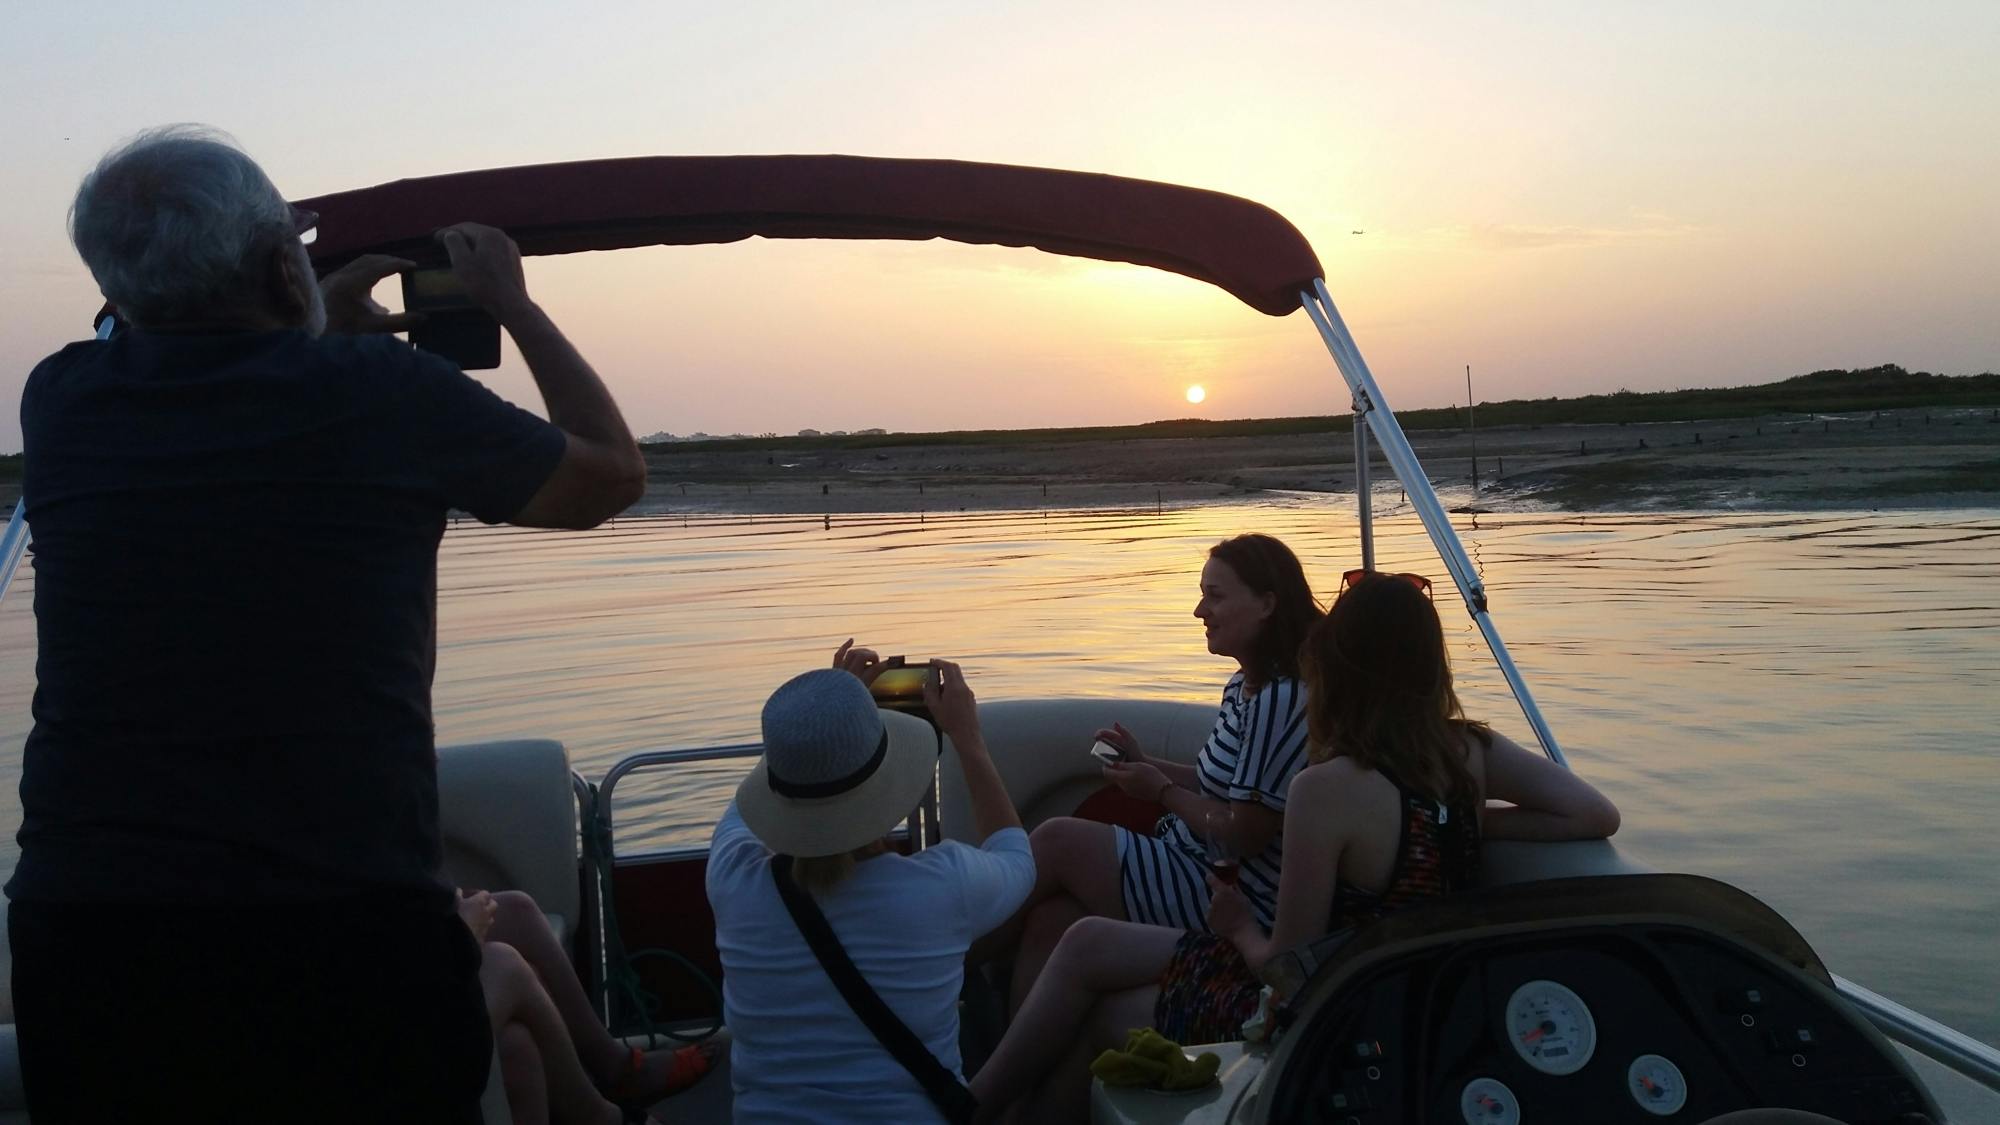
(798, 1053)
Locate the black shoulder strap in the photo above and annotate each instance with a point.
(944, 1088)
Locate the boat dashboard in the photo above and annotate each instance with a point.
(1630, 1011)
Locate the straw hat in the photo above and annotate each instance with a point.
(837, 773)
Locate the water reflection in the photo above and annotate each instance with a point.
(1800, 704)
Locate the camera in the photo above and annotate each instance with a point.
(453, 326)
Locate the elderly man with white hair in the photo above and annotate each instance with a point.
(227, 906)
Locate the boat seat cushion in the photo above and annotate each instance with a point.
(1042, 750)
(508, 814)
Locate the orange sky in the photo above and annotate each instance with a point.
(1568, 197)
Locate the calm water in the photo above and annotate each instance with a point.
(1802, 705)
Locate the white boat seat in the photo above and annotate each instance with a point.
(508, 817)
(1042, 750)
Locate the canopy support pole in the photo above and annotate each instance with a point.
(1372, 413)
(1364, 487)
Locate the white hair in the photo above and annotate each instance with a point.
(172, 222)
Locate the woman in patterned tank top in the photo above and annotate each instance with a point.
(1397, 794)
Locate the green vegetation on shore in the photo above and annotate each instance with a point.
(1888, 387)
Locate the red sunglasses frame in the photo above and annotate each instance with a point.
(1362, 574)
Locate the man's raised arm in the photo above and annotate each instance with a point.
(602, 471)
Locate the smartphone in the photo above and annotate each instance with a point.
(901, 683)
(1105, 752)
(453, 326)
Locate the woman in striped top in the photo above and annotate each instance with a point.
(1397, 796)
(1255, 608)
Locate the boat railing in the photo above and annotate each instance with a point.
(922, 827)
(1955, 1049)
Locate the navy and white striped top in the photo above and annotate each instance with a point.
(1257, 746)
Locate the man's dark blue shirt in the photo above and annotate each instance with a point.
(235, 575)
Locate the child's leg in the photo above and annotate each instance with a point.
(514, 995)
(519, 922)
(521, 1075)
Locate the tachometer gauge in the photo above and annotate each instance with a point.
(1656, 1084)
(1550, 1027)
(1486, 1101)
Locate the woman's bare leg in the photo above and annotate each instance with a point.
(1045, 926)
(514, 995)
(1096, 959)
(1064, 1092)
(521, 1074)
(1073, 857)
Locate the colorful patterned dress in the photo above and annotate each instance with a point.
(1209, 990)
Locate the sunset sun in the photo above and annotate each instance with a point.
(1196, 394)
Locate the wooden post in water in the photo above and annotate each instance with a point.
(1470, 431)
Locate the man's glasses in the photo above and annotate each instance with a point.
(1362, 574)
(305, 225)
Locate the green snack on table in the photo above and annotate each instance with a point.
(1151, 1059)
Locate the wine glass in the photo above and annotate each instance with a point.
(1225, 859)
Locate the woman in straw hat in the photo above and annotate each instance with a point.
(836, 777)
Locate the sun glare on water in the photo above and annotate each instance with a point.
(1196, 394)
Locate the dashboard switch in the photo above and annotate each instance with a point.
(1731, 1001)
(1791, 1041)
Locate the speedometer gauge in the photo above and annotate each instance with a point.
(1550, 1027)
(1487, 1101)
(1656, 1084)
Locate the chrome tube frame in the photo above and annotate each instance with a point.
(1373, 412)
(1919, 1032)
(13, 544)
(592, 904)
(656, 759)
(1364, 485)
(14, 541)
(922, 825)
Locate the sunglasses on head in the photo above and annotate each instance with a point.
(1362, 574)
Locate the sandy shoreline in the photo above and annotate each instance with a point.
(1897, 459)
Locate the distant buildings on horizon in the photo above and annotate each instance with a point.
(663, 437)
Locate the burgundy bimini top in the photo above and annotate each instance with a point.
(1242, 247)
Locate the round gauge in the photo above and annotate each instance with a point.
(1486, 1101)
(1656, 1084)
(1550, 1027)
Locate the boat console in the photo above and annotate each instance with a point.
(1626, 998)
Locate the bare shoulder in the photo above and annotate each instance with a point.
(1338, 783)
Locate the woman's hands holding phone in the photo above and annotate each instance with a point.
(1122, 740)
(863, 662)
(1143, 780)
(951, 703)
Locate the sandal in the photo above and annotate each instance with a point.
(632, 1089)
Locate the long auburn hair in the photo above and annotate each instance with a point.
(1378, 690)
(1267, 566)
